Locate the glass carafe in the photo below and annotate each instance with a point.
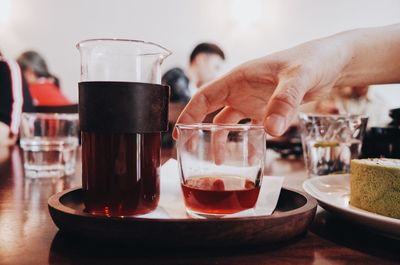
(122, 109)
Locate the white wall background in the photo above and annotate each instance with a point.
(244, 28)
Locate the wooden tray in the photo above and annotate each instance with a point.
(293, 214)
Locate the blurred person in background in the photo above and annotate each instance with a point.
(43, 86)
(355, 100)
(205, 63)
(14, 99)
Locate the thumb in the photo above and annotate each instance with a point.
(283, 106)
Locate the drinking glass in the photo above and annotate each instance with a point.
(331, 141)
(49, 142)
(221, 167)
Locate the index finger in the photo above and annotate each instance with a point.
(209, 99)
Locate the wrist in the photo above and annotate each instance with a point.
(345, 54)
(373, 56)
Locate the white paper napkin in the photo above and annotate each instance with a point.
(171, 205)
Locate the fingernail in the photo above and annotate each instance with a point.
(275, 124)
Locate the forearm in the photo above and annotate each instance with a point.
(373, 56)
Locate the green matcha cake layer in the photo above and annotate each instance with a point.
(375, 185)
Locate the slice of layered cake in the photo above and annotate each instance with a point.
(375, 185)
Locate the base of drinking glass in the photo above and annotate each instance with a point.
(338, 173)
(52, 171)
(38, 174)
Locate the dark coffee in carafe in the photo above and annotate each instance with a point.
(118, 180)
(121, 123)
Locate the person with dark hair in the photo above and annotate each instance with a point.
(44, 87)
(205, 62)
(14, 99)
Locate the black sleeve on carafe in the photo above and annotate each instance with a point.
(123, 107)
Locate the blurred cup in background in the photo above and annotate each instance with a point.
(331, 141)
(49, 142)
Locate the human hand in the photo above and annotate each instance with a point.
(269, 90)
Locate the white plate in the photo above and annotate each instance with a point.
(332, 193)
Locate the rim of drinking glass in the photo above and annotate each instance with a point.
(165, 52)
(219, 126)
(63, 116)
(318, 115)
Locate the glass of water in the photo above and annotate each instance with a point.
(331, 141)
(49, 142)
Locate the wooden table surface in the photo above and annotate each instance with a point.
(28, 235)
